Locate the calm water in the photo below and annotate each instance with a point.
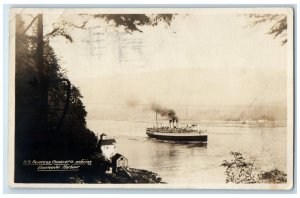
(197, 163)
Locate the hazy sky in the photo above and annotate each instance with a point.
(201, 59)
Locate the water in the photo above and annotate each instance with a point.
(194, 162)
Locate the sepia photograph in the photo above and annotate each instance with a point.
(158, 98)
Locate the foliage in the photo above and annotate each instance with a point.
(57, 31)
(239, 171)
(278, 21)
(73, 139)
(130, 23)
(274, 176)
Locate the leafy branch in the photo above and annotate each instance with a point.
(279, 24)
(239, 171)
(130, 23)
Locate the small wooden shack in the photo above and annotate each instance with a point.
(107, 146)
(118, 161)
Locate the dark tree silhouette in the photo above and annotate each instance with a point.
(130, 23)
(70, 141)
(68, 138)
(278, 24)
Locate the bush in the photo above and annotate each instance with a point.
(238, 170)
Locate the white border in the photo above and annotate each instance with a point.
(158, 186)
(138, 3)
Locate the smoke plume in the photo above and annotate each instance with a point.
(165, 112)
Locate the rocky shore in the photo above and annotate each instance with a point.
(139, 176)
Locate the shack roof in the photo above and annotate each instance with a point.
(117, 156)
(108, 142)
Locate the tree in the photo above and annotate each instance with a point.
(130, 23)
(240, 171)
(72, 139)
(278, 24)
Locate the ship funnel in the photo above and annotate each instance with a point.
(176, 123)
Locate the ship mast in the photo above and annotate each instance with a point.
(156, 119)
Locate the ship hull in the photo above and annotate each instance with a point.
(177, 136)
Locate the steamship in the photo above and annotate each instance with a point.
(174, 133)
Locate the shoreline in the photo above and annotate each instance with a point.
(140, 176)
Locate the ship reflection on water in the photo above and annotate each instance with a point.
(189, 144)
(173, 152)
(198, 144)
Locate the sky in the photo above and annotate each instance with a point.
(202, 60)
